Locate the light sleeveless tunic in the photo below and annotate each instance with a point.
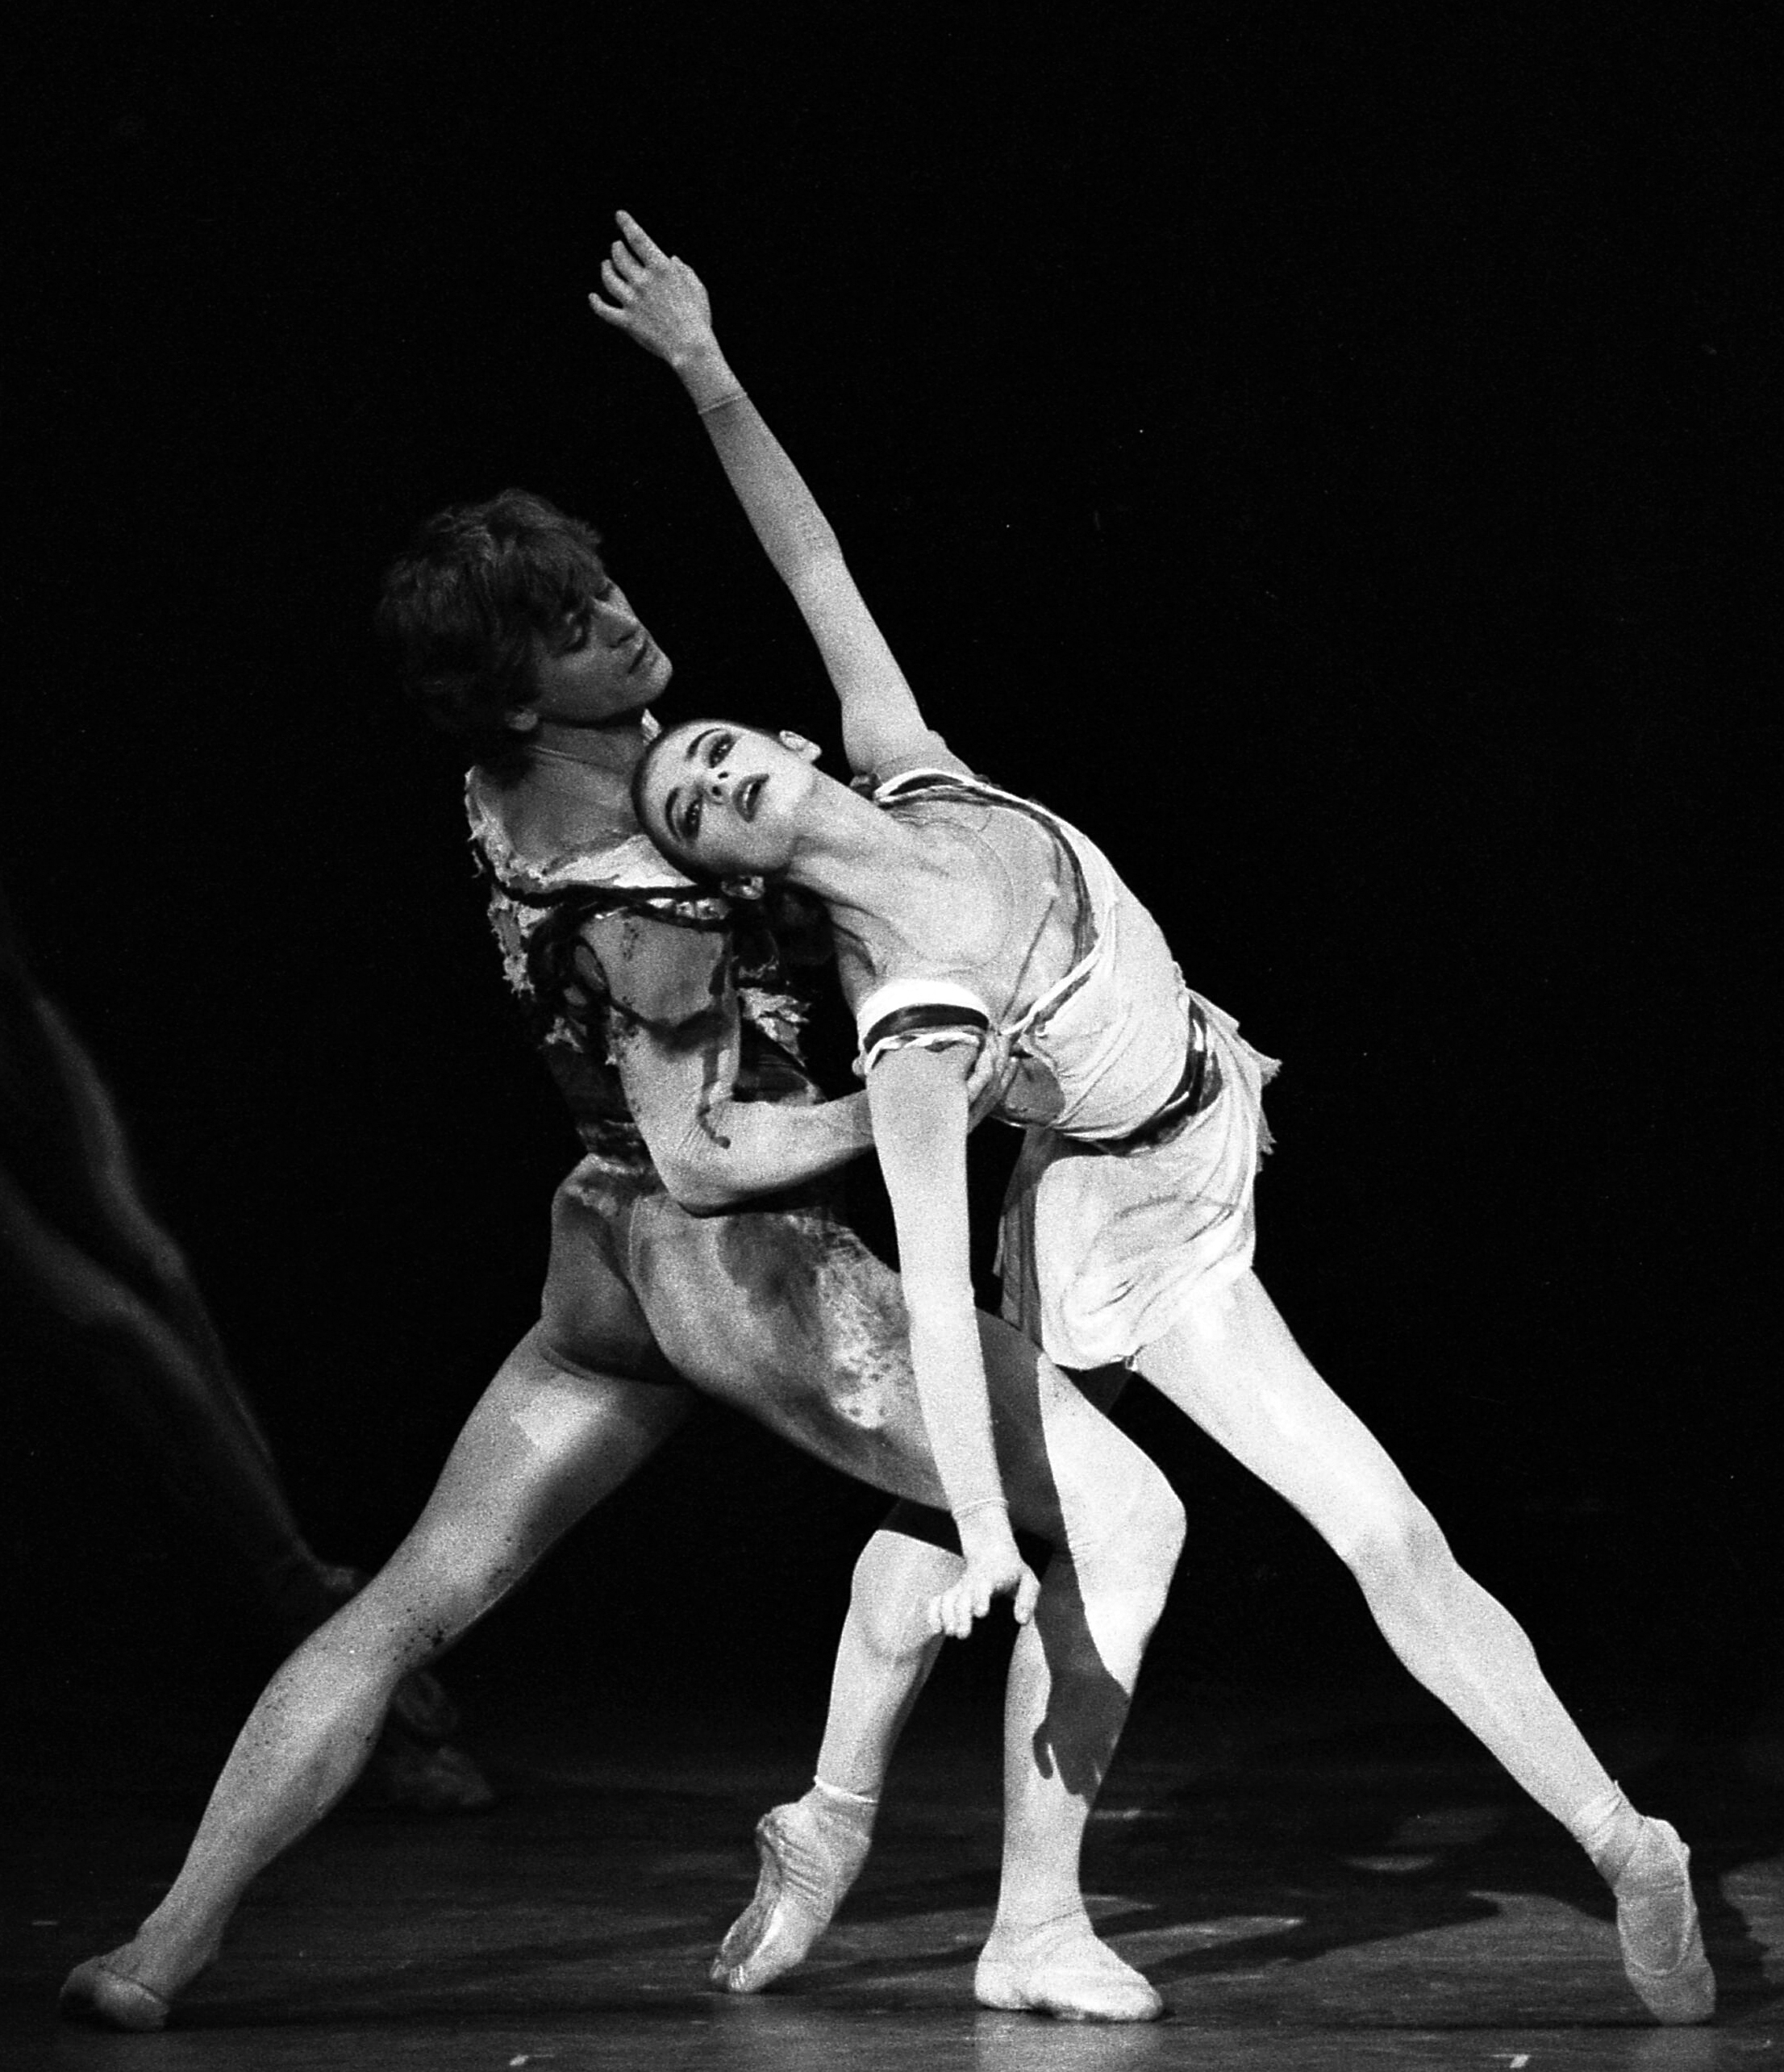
(1107, 1244)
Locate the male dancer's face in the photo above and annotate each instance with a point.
(601, 665)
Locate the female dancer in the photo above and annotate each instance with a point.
(965, 917)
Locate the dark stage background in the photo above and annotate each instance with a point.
(1328, 453)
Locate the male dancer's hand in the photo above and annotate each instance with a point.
(657, 299)
(994, 1569)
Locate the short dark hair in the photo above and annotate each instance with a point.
(479, 583)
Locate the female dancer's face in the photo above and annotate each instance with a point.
(726, 797)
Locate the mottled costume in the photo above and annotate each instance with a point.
(1132, 1201)
(777, 1307)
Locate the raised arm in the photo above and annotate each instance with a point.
(674, 1031)
(660, 301)
(918, 1098)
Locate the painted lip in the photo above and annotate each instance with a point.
(646, 648)
(748, 795)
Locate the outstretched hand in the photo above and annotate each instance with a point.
(658, 300)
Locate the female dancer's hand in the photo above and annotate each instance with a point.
(994, 1569)
(658, 300)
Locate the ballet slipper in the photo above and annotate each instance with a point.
(1657, 1926)
(811, 1851)
(97, 1993)
(1060, 1969)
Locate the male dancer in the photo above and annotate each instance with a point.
(678, 1051)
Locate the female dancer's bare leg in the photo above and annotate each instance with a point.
(812, 1850)
(1117, 1528)
(1240, 1376)
(538, 1449)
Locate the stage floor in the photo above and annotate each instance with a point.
(1312, 1880)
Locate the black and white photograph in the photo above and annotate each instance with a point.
(888, 1092)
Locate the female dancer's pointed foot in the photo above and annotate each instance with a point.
(1060, 1969)
(1657, 1926)
(811, 1851)
(97, 1992)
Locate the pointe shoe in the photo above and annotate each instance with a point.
(94, 1992)
(1060, 1969)
(809, 1857)
(1657, 1926)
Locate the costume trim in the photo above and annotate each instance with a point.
(1196, 1090)
(926, 1014)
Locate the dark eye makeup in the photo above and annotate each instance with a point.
(685, 821)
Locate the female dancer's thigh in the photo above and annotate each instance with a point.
(1240, 1376)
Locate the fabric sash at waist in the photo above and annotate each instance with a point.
(1195, 1089)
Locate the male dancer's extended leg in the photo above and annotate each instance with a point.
(540, 1448)
(1245, 1381)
